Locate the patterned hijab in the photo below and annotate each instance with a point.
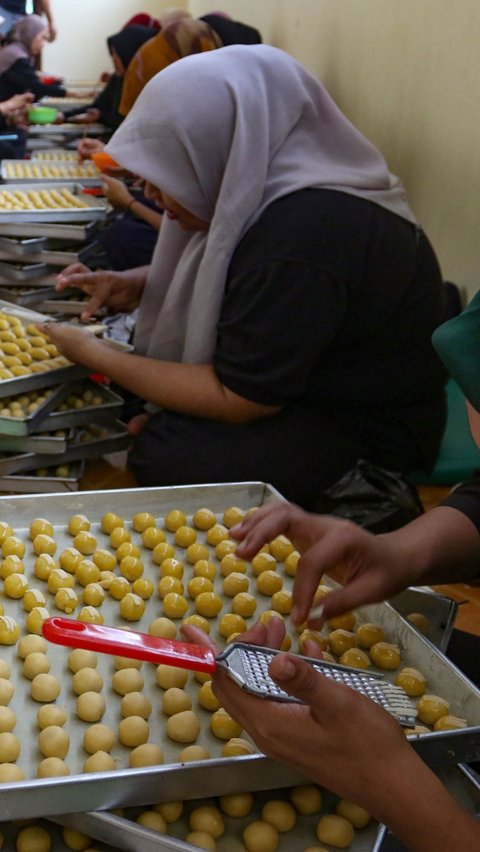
(19, 47)
(225, 134)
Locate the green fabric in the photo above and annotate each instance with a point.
(457, 342)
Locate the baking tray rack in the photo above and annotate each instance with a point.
(94, 209)
(174, 781)
(51, 443)
(46, 482)
(67, 129)
(41, 297)
(45, 254)
(77, 232)
(21, 271)
(23, 171)
(58, 154)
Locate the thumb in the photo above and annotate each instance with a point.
(302, 681)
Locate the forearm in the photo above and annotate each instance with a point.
(442, 546)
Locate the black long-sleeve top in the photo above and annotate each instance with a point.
(22, 77)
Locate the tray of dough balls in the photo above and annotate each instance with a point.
(21, 171)
(132, 733)
(75, 232)
(57, 478)
(43, 836)
(43, 251)
(49, 202)
(67, 128)
(28, 295)
(61, 155)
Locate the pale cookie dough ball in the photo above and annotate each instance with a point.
(194, 752)
(45, 687)
(90, 706)
(147, 754)
(34, 839)
(368, 634)
(51, 714)
(183, 727)
(9, 747)
(384, 655)
(52, 767)
(81, 659)
(223, 726)
(101, 761)
(236, 747)
(175, 700)
(356, 815)
(76, 840)
(7, 691)
(279, 814)
(10, 772)
(5, 670)
(152, 820)
(430, 708)
(133, 731)
(236, 804)
(54, 741)
(306, 798)
(87, 680)
(8, 719)
(260, 836)
(171, 676)
(136, 704)
(99, 738)
(171, 811)
(207, 698)
(411, 681)
(209, 819)
(127, 680)
(335, 831)
(201, 840)
(31, 644)
(34, 664)
(126, 663)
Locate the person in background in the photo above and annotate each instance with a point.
(17, 71)
(12, 10)
(13, 122)
(232, 32)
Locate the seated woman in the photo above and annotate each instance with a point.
(17, 57)
(285, 321)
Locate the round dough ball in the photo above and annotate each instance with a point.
(127, 680)
(204, 568)
(209, 819)
(170, 676)
(133, 731)
(8, 719)
(34, 664)
(231, 623)
(101, 761)
(450, 723)
(146, 754)
(340, 641)
(54, 741)
(269, 582)
(169, 585)
(52, 767)
(104, 560)
(174, 605)
(223, 726)
(51, 714)
(34, 838)
(85, 542)
(111, 521)
(12, 565)
(368, 634)
(419, 621)
(183, 727)
(336, 831)
(236, 747)
(43, 565)
(346, 621)
(45, 687)
(5, 670)
(132, 607)
(231, 564)
(87, 572)
(411, 681)
(87, 680)
(9, 747)
(10, 772)
(175, 700)
(356, 815)
(151, 536)
(260, 836)
(13, 546)
(77, 524)
(201, 840)
(99, 738)
(197, 551)
(90, 706)
(235, 584)
(198, 621)
(131, 567)
(15, 586)
(208, 604)
(263, 561)
(207, 698)
(76, 840)
(35, 619)
(33, 598)
(203, 519)
(152, 820)
(143, 587)
(126, 663)
(93, 594)
(194, 752)
(40, 526)
(356, 658)
(291, 562)
(185, 536)
(280, 814)
(44, 543)
(136, 704)
(31, 644)
(7, 691)
(127, 548)
(81, 659)
(69, 560)
(430, 708)
(306, 798)
(90, 615)
(171, 811)
(233, 516)
(197, 585)
(142, 521)
(384, 655)
(162, 551)
(236, 804)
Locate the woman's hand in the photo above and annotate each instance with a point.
(86, 147)
(79, 346)
(119, 292)
(116, 192)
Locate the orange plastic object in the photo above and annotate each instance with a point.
(104, 161)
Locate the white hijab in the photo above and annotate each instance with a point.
(225, 133)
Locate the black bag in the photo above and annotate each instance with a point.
(373, 497)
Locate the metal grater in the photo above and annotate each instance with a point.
(248, 666)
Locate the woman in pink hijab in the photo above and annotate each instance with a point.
(17, 58)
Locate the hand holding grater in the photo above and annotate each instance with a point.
(246, 664)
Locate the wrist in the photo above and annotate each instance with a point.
(128, 208)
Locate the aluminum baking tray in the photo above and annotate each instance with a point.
(20, 271)
(440, 611)
(173, 781)
(28, 295)
(46, 256)
(46, 482)
(95, 208)
(107, 410)
(58, 154)
(18, 248)
(50, 443)
(67, 129)
(73, 232)
(67, 307)
(10, 834)
(21, 171)
(18, 427)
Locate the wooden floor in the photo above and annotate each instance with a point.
(99, 475)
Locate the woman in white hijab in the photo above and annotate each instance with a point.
(285, 321)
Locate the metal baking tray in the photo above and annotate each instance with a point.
(18, 248)
(95, 208)
(47, 255)
(23, 171)
(45, 483)
(58, 103)
(67, 307)
(67, 129)
(18, 427)
(173, 781)
(20, 271)
(58, 230)
(50, 443)
(28, 295)
(58, 154)
(10, 834)
(440, 610)
(107, 411)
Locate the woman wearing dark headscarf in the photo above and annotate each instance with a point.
(232, 32)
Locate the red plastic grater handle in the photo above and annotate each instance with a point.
(138, 646)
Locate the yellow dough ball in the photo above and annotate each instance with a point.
(336, 831)
(236, 747)
(175, 700)
(90, 706)
(152, 820)
(131, 567)
(281, 547)
(146, 754)
(34, 664)
(183, 727)
(9, 629)
(260, 836)
(216, 534)
(169, 585)
(207, 698)
(281, 601)
(11, 565)
(118, 536)
(33, 598)
(231, 623)
(209, 819)
(104, 560)
(9, 747)
(10, 772)
(77, 524)
(119, 587)
(430, 708)
(162, 551)
(269, 582)
(201, 840)
(7, 691)
(99, 737)
(87, 572)
(127, 680)
(204, 568)
(66, 600)
(171, 811)
(13, 546)
(203, 519)
(198, 621)
(368, 634)
(175, 519)
(34, 838)
(236, 804)
(80, 658)
(59, 579)
(126, 663)
(111, 521)
(196, 552)
(142, 521)
(152, 536)
(132, 607)
(197, 585)
(54, 741)
(133, 731)
(5, 531)
(223, 726)
(143, 587)
(291, 563)
(30, 644)
(233, 516)
(234, 584)
(356, 815)
(52, 767)
(450, 723)
(15, 586)
(356, 658)
(101, 761)
(263, 562)
(226, 548)
(194, 752)
(419, 621)
(87, 680)
(8, 719)
(90, 615)
(5, 670)
(163, 627)
(347, 621)
(44, 543)
(185, 536)
(174, 605)
(384, 655)
(208, 604)
(279, 814)
(411, 681)
(230, 564)
(51, 714)
(93, 594)
(171, 567)
(136, 704)
(340, 641)
(306, 799)
(76, 840)
(85, 542)
(35, 619)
